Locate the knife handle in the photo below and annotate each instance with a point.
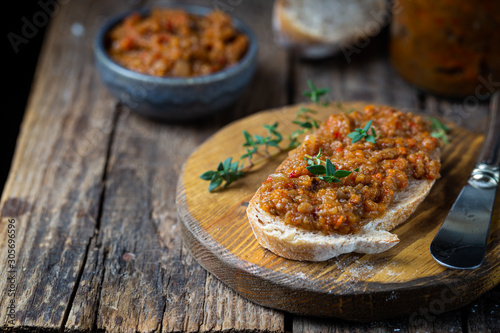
(490, 154)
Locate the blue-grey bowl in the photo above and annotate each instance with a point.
(170, 98)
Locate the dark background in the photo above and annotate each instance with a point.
(20, 68)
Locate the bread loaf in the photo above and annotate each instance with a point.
(319, 28)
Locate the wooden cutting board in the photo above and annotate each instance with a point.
(404, 280)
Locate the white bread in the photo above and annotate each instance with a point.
(294, 243)
(373, 237)
(319, 28)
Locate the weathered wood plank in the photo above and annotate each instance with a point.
(308, 325)
(449, 322)
(366, 76)
(269, 87)
(464, 112)
(483, 315)
(138, 276)
(220, 314)
(54, 188)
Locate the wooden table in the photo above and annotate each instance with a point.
(91, 193)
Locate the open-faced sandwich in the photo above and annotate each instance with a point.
(347, 185)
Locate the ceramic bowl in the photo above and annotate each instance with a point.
(173, 98)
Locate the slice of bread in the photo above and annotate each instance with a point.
(374, 237)
(319, 28)
(281, 236)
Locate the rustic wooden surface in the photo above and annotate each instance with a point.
(352, 286)
(92, 193)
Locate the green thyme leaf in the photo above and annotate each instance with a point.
(227, 164)
(355, 136)
(316, 94)
(304, 124)
(208, 175)
(439, 130)
(370, 138)
(367, 126)
(227, 172)
(330, 168)
(214, 183)
(360, 133)
(327, 172)
(342, 173)
(316, 169)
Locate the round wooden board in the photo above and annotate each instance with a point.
(404, 280)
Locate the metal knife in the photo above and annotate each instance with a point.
(461, 241)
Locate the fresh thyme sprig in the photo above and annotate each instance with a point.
(360, 133)
(316, 94)
(439, 130)
(326, 170)
(258, 145)
(306, 123)
(227, 171)
(303, 117)
(257, 141)
(314, 160)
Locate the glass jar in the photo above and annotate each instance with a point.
(447, 47)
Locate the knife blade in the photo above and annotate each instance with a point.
(462, 239)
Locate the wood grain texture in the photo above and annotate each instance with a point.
(54, 188)
(98, 238)
(93, 187)
(460, 112)
(138, 274)
(363, 76)
(356, 287)
(483, 315)
(447, 322)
